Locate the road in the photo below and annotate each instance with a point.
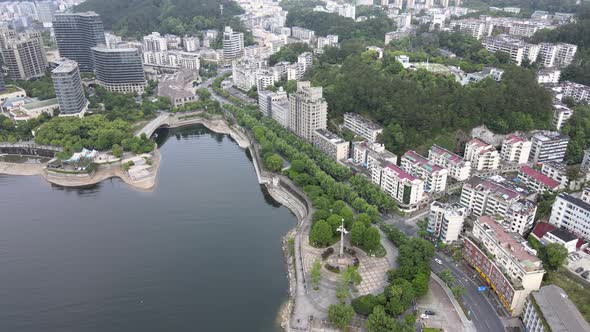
(483, 314)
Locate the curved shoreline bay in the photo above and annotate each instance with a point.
(202, 251)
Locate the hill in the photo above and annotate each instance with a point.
(139, 17)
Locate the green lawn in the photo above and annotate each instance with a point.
(577, 292)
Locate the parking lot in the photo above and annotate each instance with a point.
(579, 260)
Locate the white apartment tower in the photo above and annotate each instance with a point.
(515, 149)
(483, 156)
(572, 214)
(445, 221)
(233, 44)
(308, 110)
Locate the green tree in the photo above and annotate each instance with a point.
(117, 150)
(273, 162)
(357, 233)
(447, 277)
(321, 234)
(458, 291)
(340, 315)
(555, 255)
(379, 321)
(371, 239)
(316, 275)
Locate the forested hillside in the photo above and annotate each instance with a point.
(140, 17)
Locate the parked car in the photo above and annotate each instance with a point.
(429, 312)
(424, 316)
(579, 270)
(585, 274)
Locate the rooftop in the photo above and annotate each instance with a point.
(65, 66)
(504, 189)
(546, 135)
(446, 154)
(559, 311)
(401, 173)
(539, 177)
(330, 136)
(512, 243)
(424, 163)
(40, 103)
(367, 123)
(513, 138)
(564, 235)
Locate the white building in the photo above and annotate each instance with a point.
(580, 93)
(362, 127)
(515, 149)
(303, 34)
(516, 48)
(475, 28)
(275, 105)
(572, 214)
(556, 55)
(548, 146)
(506, 262)
(434, 176)
(331, 144)
(190, 43)
(233, 44)
(347, 10)
(308, 110)
(548, 76)
(304, 62)
(459, 169)
(445, 221)
(489, 197)
(154, 42)
(483, 156)
(561, 114)
(494, 73)
(401, 186)
(536, 180)
(550, 309)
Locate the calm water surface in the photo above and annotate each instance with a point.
(200, 253)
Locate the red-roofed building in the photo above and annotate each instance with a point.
(434, 176)
(405, 188)
(483, 156)
(458, 168)
(515, 149)
(537, 180)
(547, 233)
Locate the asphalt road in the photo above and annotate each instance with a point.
(483, 314)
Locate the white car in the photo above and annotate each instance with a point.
(424, 316)
(438, 261)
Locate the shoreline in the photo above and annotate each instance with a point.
(273, 183)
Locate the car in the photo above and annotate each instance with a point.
(429, 312)
(424, 316)
(585, 274)
(579, 270)
(438, 261)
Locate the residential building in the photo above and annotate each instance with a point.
(347, 10)
(580, 93)
(24, 56)
(515, 149)
(556, 55)
(233, 44)
(572, 214)
(536, 180)
(173, 42)
(329, 40)
(2, 84)
(190, 43)
(475, 28)
(304, 62)
(244, 73)
(154, 42)
(494, 73)
(459, 169)
(547, 233)
(505, 261)
(483, 156)
(516, 48)
(550, 309)
(119, 70)
(499, 198)
(548, 146)
(401, 186)
(308, 110)
(369, 155)
(445, 221)
(585, 166)
(548, 76)
(76, 34)
(275, 105)
(303, 34)
(362, 127)
(434, 176)
(561, 114)
(399, 34)
(68, 88)
(331, 144)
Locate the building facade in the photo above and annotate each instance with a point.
(549, 309)
(76, 34)
(459, 169)
(536, 180)
(515, 149)
(398, 184)
(505, 261)
(275, 105)
(330, 144)
(362, 127)
(68, 88)
(445, 221)
(434, 176)
(548, 146)
(119, 70)
(24, 56)
(483, 156)
(572, 214)
(233, 44)
(308, 110)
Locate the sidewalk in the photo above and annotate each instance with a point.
(467, 324)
